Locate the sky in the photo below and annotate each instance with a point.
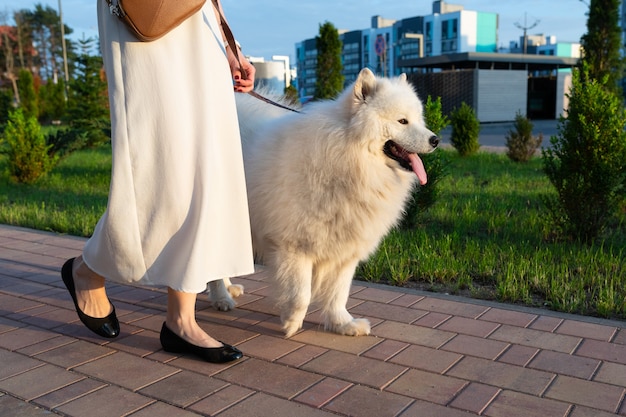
(267, 28)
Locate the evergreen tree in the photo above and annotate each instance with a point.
(27, 94)
(602, 44)
(87, 108)
(329, 81)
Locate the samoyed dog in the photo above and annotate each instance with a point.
(324, 187)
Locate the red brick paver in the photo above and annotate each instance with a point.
(428, 354)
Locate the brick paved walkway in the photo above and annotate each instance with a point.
(429, 355)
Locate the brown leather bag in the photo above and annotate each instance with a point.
(151, 19)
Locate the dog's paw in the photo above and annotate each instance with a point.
(291, 327)
(235, 290)
(355, 327)
(223, 304)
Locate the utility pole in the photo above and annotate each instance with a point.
(65, 70)
(525, 28)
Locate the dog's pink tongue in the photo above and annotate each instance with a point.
(418, 168)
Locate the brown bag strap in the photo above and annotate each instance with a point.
(230, 39)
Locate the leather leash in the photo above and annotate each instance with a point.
(232, 44)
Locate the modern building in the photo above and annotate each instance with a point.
(453, 54)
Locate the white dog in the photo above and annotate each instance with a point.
(324, 187)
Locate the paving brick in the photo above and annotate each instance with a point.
(68, 393)
(587, 330)
(426, 359)
(221, 400)
(516, 404)
(349, 344)
(412, 334)
(301, 356)
(357, 369)
(163, 410)
(463, 325)
(427, 386)
(322, 392)
(431, 320)
(386, 311)
(564, 364)
(46, 345)
(518, 355)
(74, 354)
(51, 319)
(38, 381)
(425, 409)
(378, 295)
(105, 402)
(602, 350)
(536, 338)
(588, 393)
(546, 323)
(265, 405)
(268, 347)
(454, 308)
(275, 379)
(611, 373)
(501, 375)
(475, 397)
(142, 343)
(183, 388)
(619, 338)
(24, 336)
(14, 363)
(510, 317)
(126, 370)
(580, 411)
(385, 350)
(368, 402)
(406, 300)
(475, 346)
(12, 407)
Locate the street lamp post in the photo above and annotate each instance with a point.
(65, 70)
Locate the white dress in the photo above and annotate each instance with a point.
(177, 213)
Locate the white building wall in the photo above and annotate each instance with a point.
(500, 95)
(468, 30)
(563, 87)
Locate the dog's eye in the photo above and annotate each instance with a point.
(403, 121)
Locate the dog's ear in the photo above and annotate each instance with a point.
(365, 85)
(402, 77)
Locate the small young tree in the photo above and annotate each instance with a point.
(586, 164)
(329, 82)
(465, 130)
(424, 196)
(27, 151)
(521, 145)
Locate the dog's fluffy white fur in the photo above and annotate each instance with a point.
(324, 187)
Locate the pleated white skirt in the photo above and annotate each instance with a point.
(177, 213)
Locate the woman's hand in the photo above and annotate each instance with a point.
(241, 84)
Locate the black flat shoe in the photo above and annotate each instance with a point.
(173, 343)
(107, 326)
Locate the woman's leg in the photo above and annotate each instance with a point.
(91, 295)
(181, 319)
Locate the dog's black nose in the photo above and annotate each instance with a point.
(434, 141)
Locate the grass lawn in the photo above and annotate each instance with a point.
(485, 237)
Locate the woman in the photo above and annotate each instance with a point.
(177, 213)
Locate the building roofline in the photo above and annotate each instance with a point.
(471, 60)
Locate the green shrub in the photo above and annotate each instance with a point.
(26, 148)
(465, 130)
(423, 197)
(521, 145)
(586, 164)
